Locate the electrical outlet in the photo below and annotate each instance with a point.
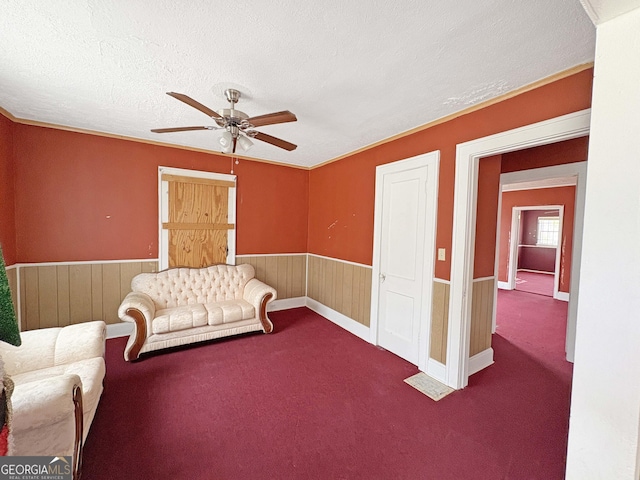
(441, 254)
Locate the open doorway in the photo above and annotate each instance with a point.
(463, 254)
(537, 259)
(535, 240)
(534, 251)
(538, 224)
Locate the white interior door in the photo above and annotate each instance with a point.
(405, 255)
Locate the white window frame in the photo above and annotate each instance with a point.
(554, 232)
(163, 211)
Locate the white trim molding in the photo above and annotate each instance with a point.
(484, 279)
(271, 255)
(121, 329)
(480, 361)
(338, 260)
(82, 262)
(436, 370)
(468, 155)
(504, 285)
(349, 324)
(286, 303)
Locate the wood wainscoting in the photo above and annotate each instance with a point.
(342, 286)
(286, 273)
(439, 321)
(55, 295)
(481, 315)
(12, 277)
(59, 294)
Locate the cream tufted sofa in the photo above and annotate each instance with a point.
(186, 305)
(57, 375)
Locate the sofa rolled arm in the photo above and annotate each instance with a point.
(139, 309)
(139, 301)
(259, 294)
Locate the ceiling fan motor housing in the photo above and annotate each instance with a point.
(231, 117)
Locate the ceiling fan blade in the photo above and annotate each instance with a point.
(274, 141)
(193, 103)
(178, 129)
(271, 118)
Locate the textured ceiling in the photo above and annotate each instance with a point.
(354, 73)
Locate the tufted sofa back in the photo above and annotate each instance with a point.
(188, 286)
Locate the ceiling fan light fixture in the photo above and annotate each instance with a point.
(244, 142)
(226, 142)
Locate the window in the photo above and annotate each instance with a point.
(548, 231)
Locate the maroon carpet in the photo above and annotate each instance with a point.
(532, 282)
(312, 401)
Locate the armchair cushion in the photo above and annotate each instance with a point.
(90, 373)
(43, 402)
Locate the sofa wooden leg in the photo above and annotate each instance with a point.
(79, 444)
(267, 326)
(140, 332)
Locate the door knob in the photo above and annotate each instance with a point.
(382, 277)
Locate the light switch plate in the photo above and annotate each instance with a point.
(441, 254)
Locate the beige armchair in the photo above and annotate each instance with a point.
(57, 375)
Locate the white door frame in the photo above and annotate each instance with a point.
(163, 211)
(432, 160)
(468, 154)
(513, 247)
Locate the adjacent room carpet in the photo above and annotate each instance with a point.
(312, 401)
(533, 282)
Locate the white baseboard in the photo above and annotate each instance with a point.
(480, 360)
(286, 303)
(339, 319)
(504, 285)
(122, 329)
(564, 296)
(436, 370)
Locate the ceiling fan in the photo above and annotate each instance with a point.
(238, 125)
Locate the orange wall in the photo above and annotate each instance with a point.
(487, 216)
(7, 206)
(568, 151)
(86, 197)
(341, 194)
(543, 196)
